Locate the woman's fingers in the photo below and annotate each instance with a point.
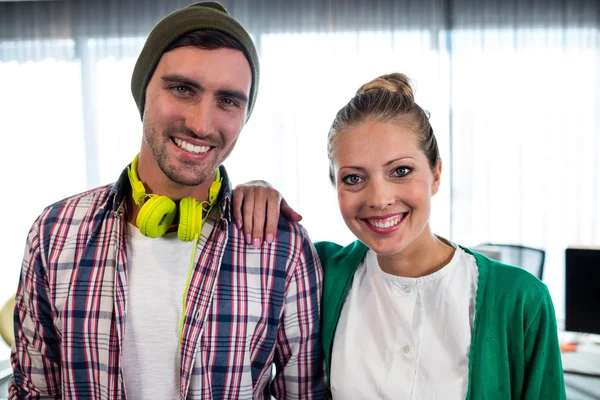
(256, 210)
(258, 216)
(272, 216)
(289, 212)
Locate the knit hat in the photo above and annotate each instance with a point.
(195, 17)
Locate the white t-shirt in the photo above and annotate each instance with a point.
(405, 338)
(157, 271)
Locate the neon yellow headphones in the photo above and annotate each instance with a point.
(158, 212)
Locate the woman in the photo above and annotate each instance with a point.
(406, 313)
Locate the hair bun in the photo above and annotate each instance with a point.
(395, 83)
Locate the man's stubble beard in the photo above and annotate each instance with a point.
(160, 154)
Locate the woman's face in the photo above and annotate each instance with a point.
(384, 185)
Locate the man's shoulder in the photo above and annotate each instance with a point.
(292, 234)
(87, 197)
(73, 208)
(63, 229)
(291, 250)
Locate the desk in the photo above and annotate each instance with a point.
(582, 372)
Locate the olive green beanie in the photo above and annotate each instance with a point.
(196, 17)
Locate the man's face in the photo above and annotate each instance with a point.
(195, 108)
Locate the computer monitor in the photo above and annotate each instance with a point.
(582, 290)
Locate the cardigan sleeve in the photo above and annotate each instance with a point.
(543, 366)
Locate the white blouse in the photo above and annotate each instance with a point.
(405, 338)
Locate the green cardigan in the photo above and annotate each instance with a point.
(514, 351)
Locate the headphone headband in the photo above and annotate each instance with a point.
(138, 190)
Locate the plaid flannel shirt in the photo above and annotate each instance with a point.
(246, 308)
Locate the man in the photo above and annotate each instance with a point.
(113, 303)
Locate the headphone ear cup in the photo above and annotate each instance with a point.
(190, 221)
(156, 216)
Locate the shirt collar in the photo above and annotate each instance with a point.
(224, 199)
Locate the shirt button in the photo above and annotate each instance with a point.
(406, 349)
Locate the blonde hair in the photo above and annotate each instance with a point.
(395, 83)
(386, 98)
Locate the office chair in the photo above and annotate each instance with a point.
(6, 321)
(528, 258)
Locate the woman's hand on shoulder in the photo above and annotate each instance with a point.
(256, 209)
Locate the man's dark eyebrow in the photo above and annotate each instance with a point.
(181, 80)
(241, 96)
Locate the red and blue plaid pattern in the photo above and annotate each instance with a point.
(247, 308)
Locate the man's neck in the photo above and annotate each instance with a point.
(156, 182)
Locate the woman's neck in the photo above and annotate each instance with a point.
(426, 255)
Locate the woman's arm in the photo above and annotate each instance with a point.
(543, 369)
